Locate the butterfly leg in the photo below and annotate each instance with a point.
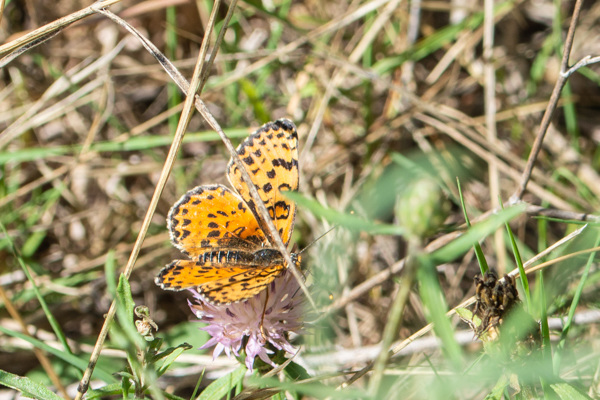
(262, 318)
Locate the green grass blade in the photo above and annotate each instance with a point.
(170, 355)
(222, 386)
(131, 144)
(67, 357)
(437, 40)
(348, 221)
(53, 322)
(433, 299)
(483, 265)
(567, 326)
(315, 390)
(125, 307)
(519, 262)
(28, 387)
(544, 330)
(477, 232)
(566, 391)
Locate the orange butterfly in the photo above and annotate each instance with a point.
(232, 255)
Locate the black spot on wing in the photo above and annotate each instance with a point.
(280, 162)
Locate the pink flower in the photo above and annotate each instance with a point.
(229, 324)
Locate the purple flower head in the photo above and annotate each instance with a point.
(228, 325)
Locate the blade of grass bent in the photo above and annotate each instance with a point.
(53, 322)
(519, 262)
(457, 247)
(67, 357)
(483, 265)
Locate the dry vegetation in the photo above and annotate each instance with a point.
(381, 92)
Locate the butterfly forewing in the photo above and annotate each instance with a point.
(270, 155)
(212, 216)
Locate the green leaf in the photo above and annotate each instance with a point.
(113, 389)
(169, 356)
(296, 372)
(566, 391)
(125, 299)
(27, 386)
(436, 307)
(312, 389)
(222, 386)
(467, 315)
(110, 267)
(497, 392)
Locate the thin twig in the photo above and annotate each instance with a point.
(489, 88)
(587, 60)
(186, 115)
(54, 26)
(552, 103)
(27, 46)
(208, 66)
(34, 115)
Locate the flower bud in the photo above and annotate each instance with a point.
(422, 208)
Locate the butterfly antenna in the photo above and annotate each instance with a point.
(317, 239)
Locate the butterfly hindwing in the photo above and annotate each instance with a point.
(216, 282)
